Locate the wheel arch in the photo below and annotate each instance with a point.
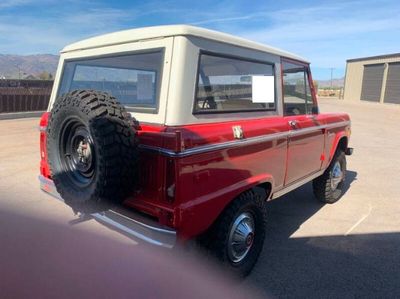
(341, 142)
(263, 182)
(215, 206)
(266, 187)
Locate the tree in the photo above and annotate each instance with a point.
(45, 76)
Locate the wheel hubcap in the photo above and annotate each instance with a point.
(84, 152)
(76, 152)
(336, 175)
(241, 237)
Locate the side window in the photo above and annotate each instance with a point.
(297, 97)
(231, 84)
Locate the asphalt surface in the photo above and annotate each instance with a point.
(348, 249)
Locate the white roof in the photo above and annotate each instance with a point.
(134, 35)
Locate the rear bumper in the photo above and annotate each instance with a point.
(125, 220)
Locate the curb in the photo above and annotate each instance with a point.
(15, 115)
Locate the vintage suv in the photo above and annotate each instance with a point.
(186, 133)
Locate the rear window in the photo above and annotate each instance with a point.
(132, 79)
(230, 84)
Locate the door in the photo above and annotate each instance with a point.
(372, 82)
(307, 137)
(392, 92)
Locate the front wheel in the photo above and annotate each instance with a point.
(237, 237)
(328, 188)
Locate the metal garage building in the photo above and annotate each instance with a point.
(374, 79)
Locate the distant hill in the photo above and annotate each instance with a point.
(327, 83)
(29, 65)
(33, 65)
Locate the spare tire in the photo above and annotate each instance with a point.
(92, 148)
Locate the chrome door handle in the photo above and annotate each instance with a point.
(293, 123)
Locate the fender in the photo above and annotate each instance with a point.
(342, 135)
(192, 221)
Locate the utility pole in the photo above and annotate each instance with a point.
(332, 76)
(19, 71)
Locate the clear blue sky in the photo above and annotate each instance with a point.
(325, 32)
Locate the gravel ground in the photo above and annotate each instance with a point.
(348, 249)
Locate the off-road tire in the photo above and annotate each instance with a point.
(322, 185)
(113, 134)
(215, 240)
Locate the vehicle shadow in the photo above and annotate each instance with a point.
(351, 176)
(353, 266)
(287, 213)
(336, 266)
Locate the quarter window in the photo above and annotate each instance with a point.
(296, 89)
(230, 84)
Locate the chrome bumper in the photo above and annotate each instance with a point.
(125, 220)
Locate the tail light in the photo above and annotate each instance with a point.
(175, 141)
(44, 166)
(170, 180)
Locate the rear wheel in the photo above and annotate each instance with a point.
(328, 188)
(237, 237)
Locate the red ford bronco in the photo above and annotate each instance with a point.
(176, 132)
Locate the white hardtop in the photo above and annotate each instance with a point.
(157, 32)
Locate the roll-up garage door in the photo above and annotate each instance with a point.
(392, 92)
(372, 82)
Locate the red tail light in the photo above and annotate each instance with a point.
(170, 180)
(44, 166)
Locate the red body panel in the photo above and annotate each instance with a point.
(206, 182)
(209, 181)
(305, 150)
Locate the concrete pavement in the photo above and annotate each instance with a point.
(348, 249)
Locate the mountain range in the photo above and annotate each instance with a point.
(18, 66)
(327, 83)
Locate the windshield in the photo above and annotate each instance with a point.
(133, 79)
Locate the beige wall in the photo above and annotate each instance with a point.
(354, 76)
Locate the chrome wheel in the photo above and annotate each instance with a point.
(241, 237)
(336, 175)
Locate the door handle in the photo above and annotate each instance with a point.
(293, 123)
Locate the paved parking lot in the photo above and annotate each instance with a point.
(347, 249)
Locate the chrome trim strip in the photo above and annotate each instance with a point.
(212, 147)
(304, 131)
(337, 125)
(135, 226)
(239, 142)
(296, 184)
(317, 128)
(42, 128)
